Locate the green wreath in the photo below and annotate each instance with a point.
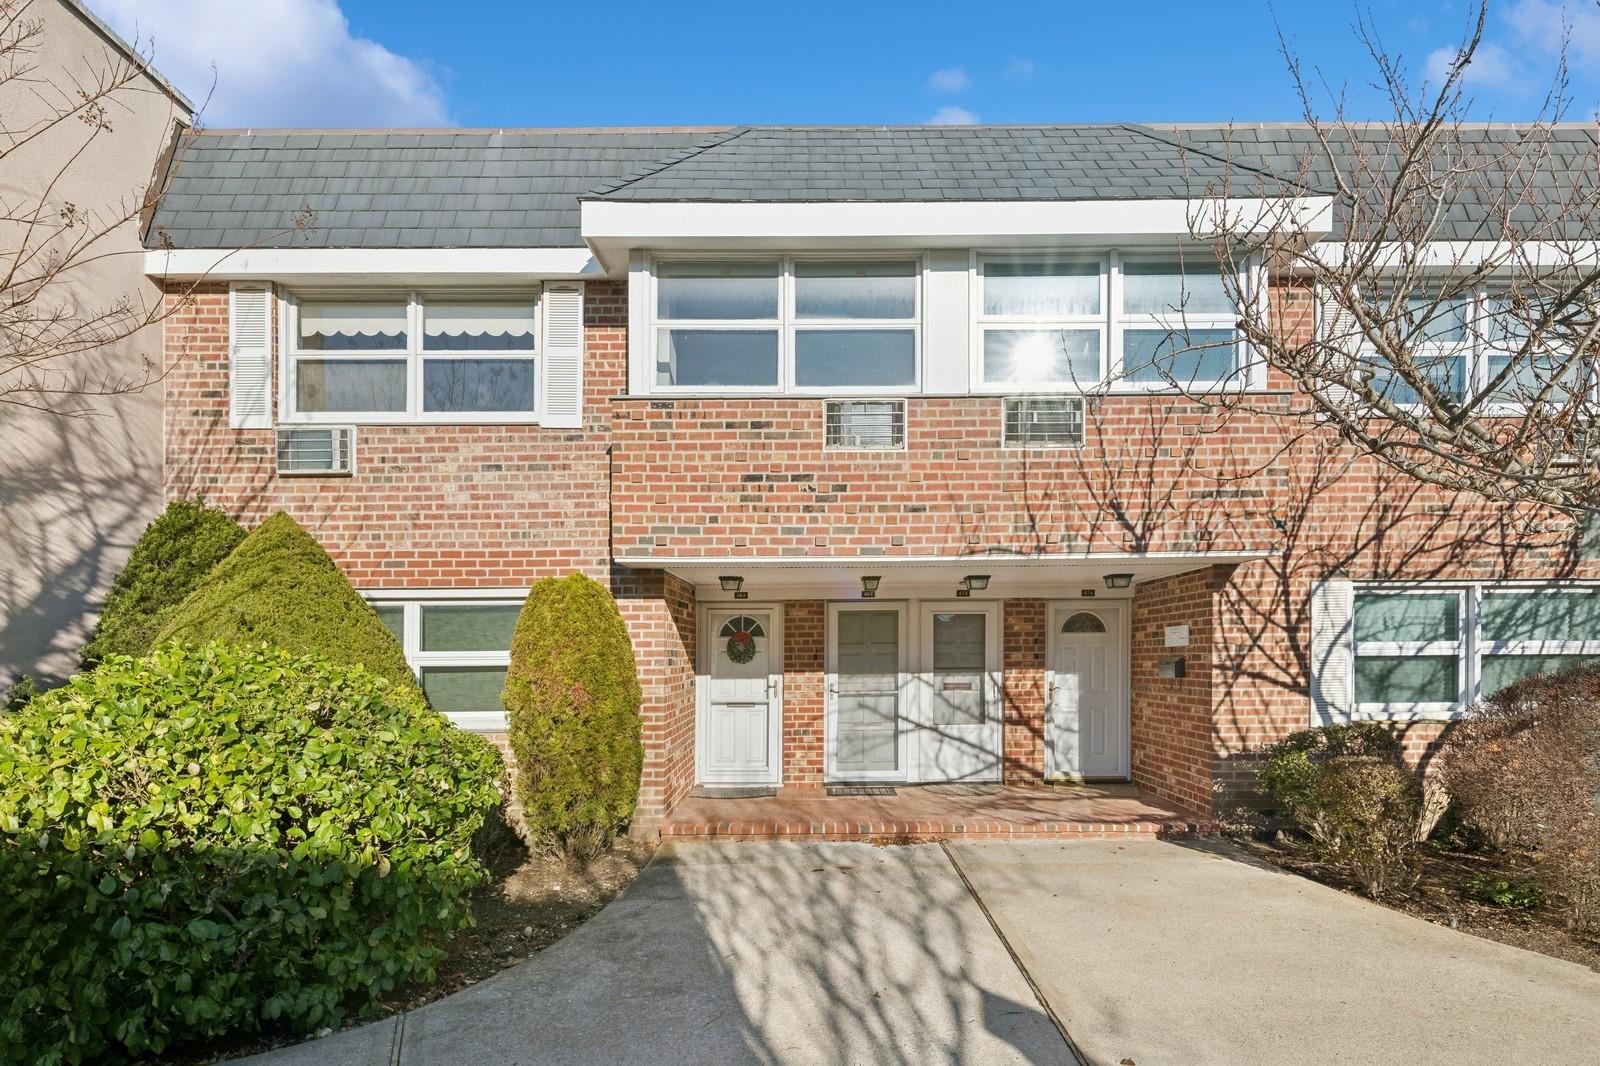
(741, 647)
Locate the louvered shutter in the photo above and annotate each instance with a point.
(250, 357)
(1332, 651)
(1338, 330)
(563, 356)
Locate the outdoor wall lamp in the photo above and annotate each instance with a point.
(976, 582)
(869, 587)
(734, 584)
(1118, 581)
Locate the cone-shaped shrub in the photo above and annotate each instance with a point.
(280, 588)
(572, 695)
(170, 560)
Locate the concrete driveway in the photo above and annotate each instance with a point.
(1142, 951)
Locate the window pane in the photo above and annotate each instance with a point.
(478, 326)
(1526, 383)
(459, 689)
(717, 357)
(1158, 355)
(393, 616)
(1167, 288)
(1407, 617)
(1043, 356)
(1541, 616)
(352, 326)
(1041, 288)
(1444, 322)
(461, 627)
(1448, 374)
(855, 290)
(1500, 670)
(1406, 679)
(350, 385)
(717, 290)
(959, 662)
(463, 385)
(851, 358)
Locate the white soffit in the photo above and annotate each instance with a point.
(377, 264)
(612, 227)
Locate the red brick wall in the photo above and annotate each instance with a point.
(804, 698)
(429, 506)
(1171, 718)
(1023, 642)
(659, 610)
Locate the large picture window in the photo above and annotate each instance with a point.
(786, 325)
(1429, 651)
(412, 356)
(459, 650)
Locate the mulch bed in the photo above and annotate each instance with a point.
(529, 902)
(1442, 895)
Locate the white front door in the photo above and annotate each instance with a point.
(740, 733)
(1087, 721)
(866, 693)
(957, 727)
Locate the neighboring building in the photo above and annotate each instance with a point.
(822, 405)
(76, 491)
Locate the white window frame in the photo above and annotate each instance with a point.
(983, 323)
(1248, 373)
(413, 355)
(786, 325)
(412, 602)
(1470, 649)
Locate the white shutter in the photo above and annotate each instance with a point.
(1338, 329)
(250, 357)
(563, 356)
(1332, 651)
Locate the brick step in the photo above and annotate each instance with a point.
(911, 831)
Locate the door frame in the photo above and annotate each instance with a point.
(993, 677)
(830, 693)
(702, 689)
(1059, 611)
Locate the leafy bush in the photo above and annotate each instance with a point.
(1525, 766)
(1348, 789)
(279, 587)
(20, 692)
(572, 696)
(1504, 892)
(170, 560)
(215, 840)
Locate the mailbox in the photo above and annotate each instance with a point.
(1177, 666)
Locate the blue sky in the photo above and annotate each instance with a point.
(505, 63)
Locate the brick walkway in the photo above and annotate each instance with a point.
(932, 812)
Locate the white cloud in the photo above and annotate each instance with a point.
(1020, 68)
(1541, 25)
(1491, 68)
(951, 115)
(279, 63)
(949, 80)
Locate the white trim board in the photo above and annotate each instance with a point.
(373, 265)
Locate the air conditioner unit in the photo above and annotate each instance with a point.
(864, 424)
(305, 451)
(1043, 421)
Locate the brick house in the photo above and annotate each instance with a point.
(869, 431)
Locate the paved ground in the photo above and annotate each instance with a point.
(1148, 952)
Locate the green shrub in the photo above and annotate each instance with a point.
(20, 692)
(572, 696)
(1348, 789)
(1504, 892)
(280, 588)
(170, 560)
(1524, 765)
(222, 840)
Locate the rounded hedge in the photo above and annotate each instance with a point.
(280, 588)
(219, 839)
(172, 557)
(572, 697)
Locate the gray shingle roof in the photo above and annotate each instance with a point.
(398, 189)
(478, 188)
(935, 163)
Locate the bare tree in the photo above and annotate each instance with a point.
(1456, 294)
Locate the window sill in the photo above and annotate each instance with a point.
(405, 420)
